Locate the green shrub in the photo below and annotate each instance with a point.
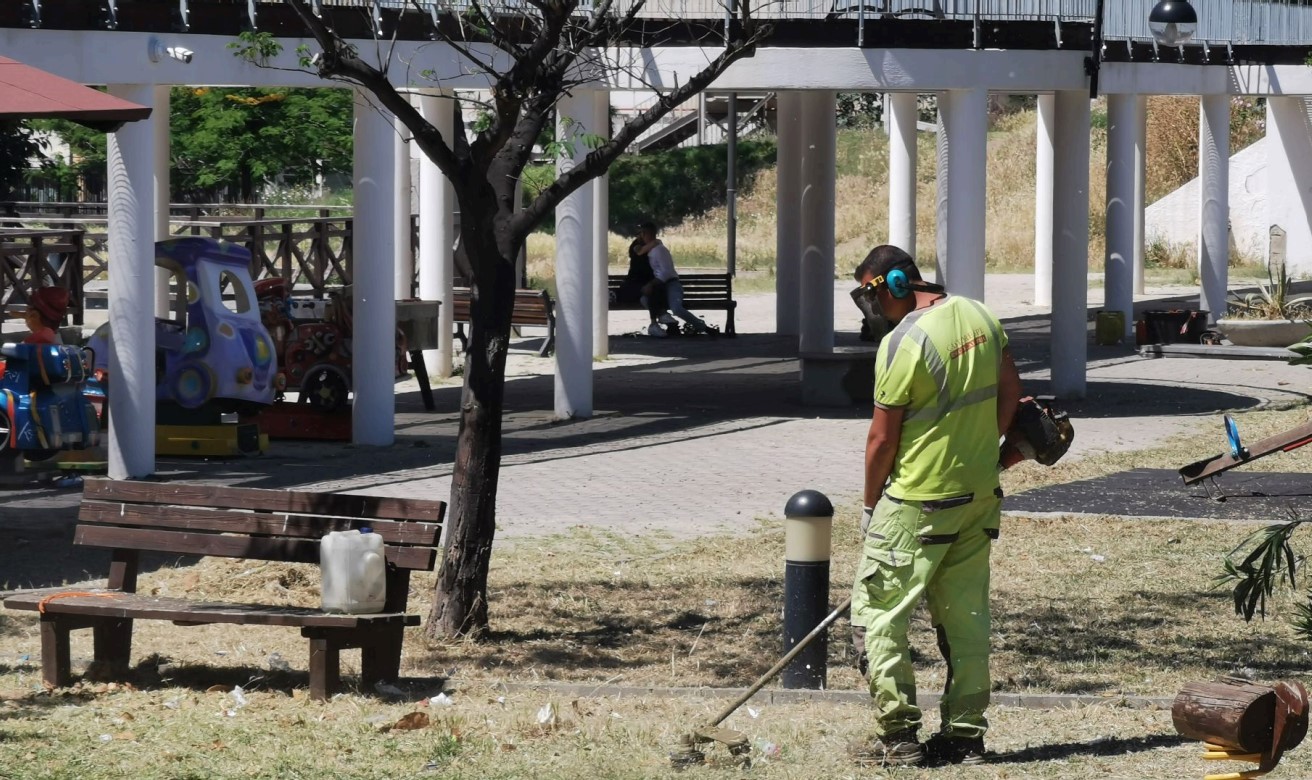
(665, 187)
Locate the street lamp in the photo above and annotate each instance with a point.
(1173, 22)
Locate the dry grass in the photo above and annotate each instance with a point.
(485, 733)
(598, 608)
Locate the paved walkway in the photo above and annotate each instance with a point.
(699, 434)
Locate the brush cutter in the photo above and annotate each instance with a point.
(689, 751)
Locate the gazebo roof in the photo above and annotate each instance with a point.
(32, 93)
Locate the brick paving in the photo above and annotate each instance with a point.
(697, 435)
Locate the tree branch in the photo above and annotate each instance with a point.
(339, 62)
(597, 161)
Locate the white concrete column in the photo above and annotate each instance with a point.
(1140, 172)
(574, 263)
(788, 210)
(900, 119)
(819, 142)
(401, 197)
(1118, 282)
(131, 163)
(600, 124)
(1288, 173)
(437, 233)
(1213, 203)
(1043, 235)
(1070, 245)
(159, 120)
(962, 158)
(373, 247)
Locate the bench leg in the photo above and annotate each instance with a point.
(56, 662)
(728, 325)
(380, 661)
(113, 645)
(421, 374)
(325, 668)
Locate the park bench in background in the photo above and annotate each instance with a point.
(533, 308)
(233, 522)
(701, 292)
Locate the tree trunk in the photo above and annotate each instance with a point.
(459, 606)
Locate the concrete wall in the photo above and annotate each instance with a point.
(1174, 218)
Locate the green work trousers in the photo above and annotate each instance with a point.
(939, 550)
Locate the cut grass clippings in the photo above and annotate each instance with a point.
(486, 733)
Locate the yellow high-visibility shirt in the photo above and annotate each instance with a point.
(940, 365)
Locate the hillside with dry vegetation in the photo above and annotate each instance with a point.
(861, 216)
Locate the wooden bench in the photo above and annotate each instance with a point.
(533, 308)
(248, 523)
(701, 292)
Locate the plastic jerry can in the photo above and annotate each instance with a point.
(354, 573)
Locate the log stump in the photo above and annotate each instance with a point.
(1232, 713)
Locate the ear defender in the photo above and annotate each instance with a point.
(899, 286)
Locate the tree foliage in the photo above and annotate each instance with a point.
(20, 145)
(667, 186)
(239, 139)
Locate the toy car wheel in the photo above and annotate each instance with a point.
(193, 386)
(325, 388)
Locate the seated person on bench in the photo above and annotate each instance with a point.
(640, 286)
(662, 266)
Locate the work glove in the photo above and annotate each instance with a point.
(866, 513)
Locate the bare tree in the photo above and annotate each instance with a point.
(532, 53)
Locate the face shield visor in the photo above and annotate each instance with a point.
(874, 324)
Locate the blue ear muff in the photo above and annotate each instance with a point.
(899, 286)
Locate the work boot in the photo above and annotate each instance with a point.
(945, 749)
(900, 748)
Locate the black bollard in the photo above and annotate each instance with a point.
(807, 530)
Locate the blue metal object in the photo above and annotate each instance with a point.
(1237, 450)
(42, 403)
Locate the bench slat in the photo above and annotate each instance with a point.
(132, 605)
(294, 501)
(259, 547)
(227, 521)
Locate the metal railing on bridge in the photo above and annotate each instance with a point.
(1272, 22)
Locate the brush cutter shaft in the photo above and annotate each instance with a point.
(779, 667)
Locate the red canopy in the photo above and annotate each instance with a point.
(32, 93)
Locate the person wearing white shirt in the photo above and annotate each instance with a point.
(662, 266)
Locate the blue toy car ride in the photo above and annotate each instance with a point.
(42, 408)
(212, 347)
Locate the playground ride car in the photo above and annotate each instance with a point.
(211, 350)
(43, 409)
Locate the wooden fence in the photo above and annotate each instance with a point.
(31, 259)
(315, 254)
